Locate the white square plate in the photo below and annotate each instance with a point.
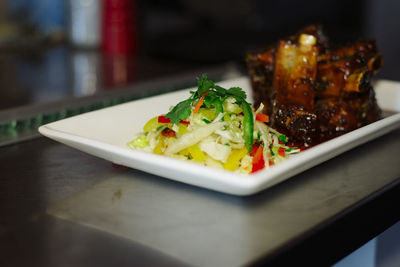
(104, 133)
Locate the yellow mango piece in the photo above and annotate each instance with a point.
(159, 146)
(184, 152)
(196, 153)
(152, 124)
(139, 142)
(227, 117)
(209, 114)
(234, 158)
(182, 129)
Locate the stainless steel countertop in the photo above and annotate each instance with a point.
(59, 205)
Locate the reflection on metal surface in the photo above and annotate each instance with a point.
(190, 223)
(117, 71)
(85, 73)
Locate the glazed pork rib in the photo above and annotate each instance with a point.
(293, 82)
(313, 93)
(261, 71)
(347, 69)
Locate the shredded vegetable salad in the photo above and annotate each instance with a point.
(216, 127)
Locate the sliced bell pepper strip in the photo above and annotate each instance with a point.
(199, 103)
(281, 152)
(234, 158)
(262, 117)
(254, 149)
(258, 160)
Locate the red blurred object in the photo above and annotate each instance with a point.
(119, 43)
(119, 29)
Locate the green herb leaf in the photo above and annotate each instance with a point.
(209, 99)
(237, 91)
(219, 108)
(220, 90)
(203, 85)
(206, 121)
(181, 111)
(283, 138)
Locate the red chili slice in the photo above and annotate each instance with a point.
(163, 119)
(184, 122)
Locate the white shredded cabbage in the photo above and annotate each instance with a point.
(215, 150)
(193, 137)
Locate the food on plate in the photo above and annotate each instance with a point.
(313, 92)
(215, 127)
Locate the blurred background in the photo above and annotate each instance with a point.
(54, 49)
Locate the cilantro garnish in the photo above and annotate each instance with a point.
(237, 91)
(204, 85)
(216, 95)
(181, 111)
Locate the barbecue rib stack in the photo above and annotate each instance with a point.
(311, 92)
